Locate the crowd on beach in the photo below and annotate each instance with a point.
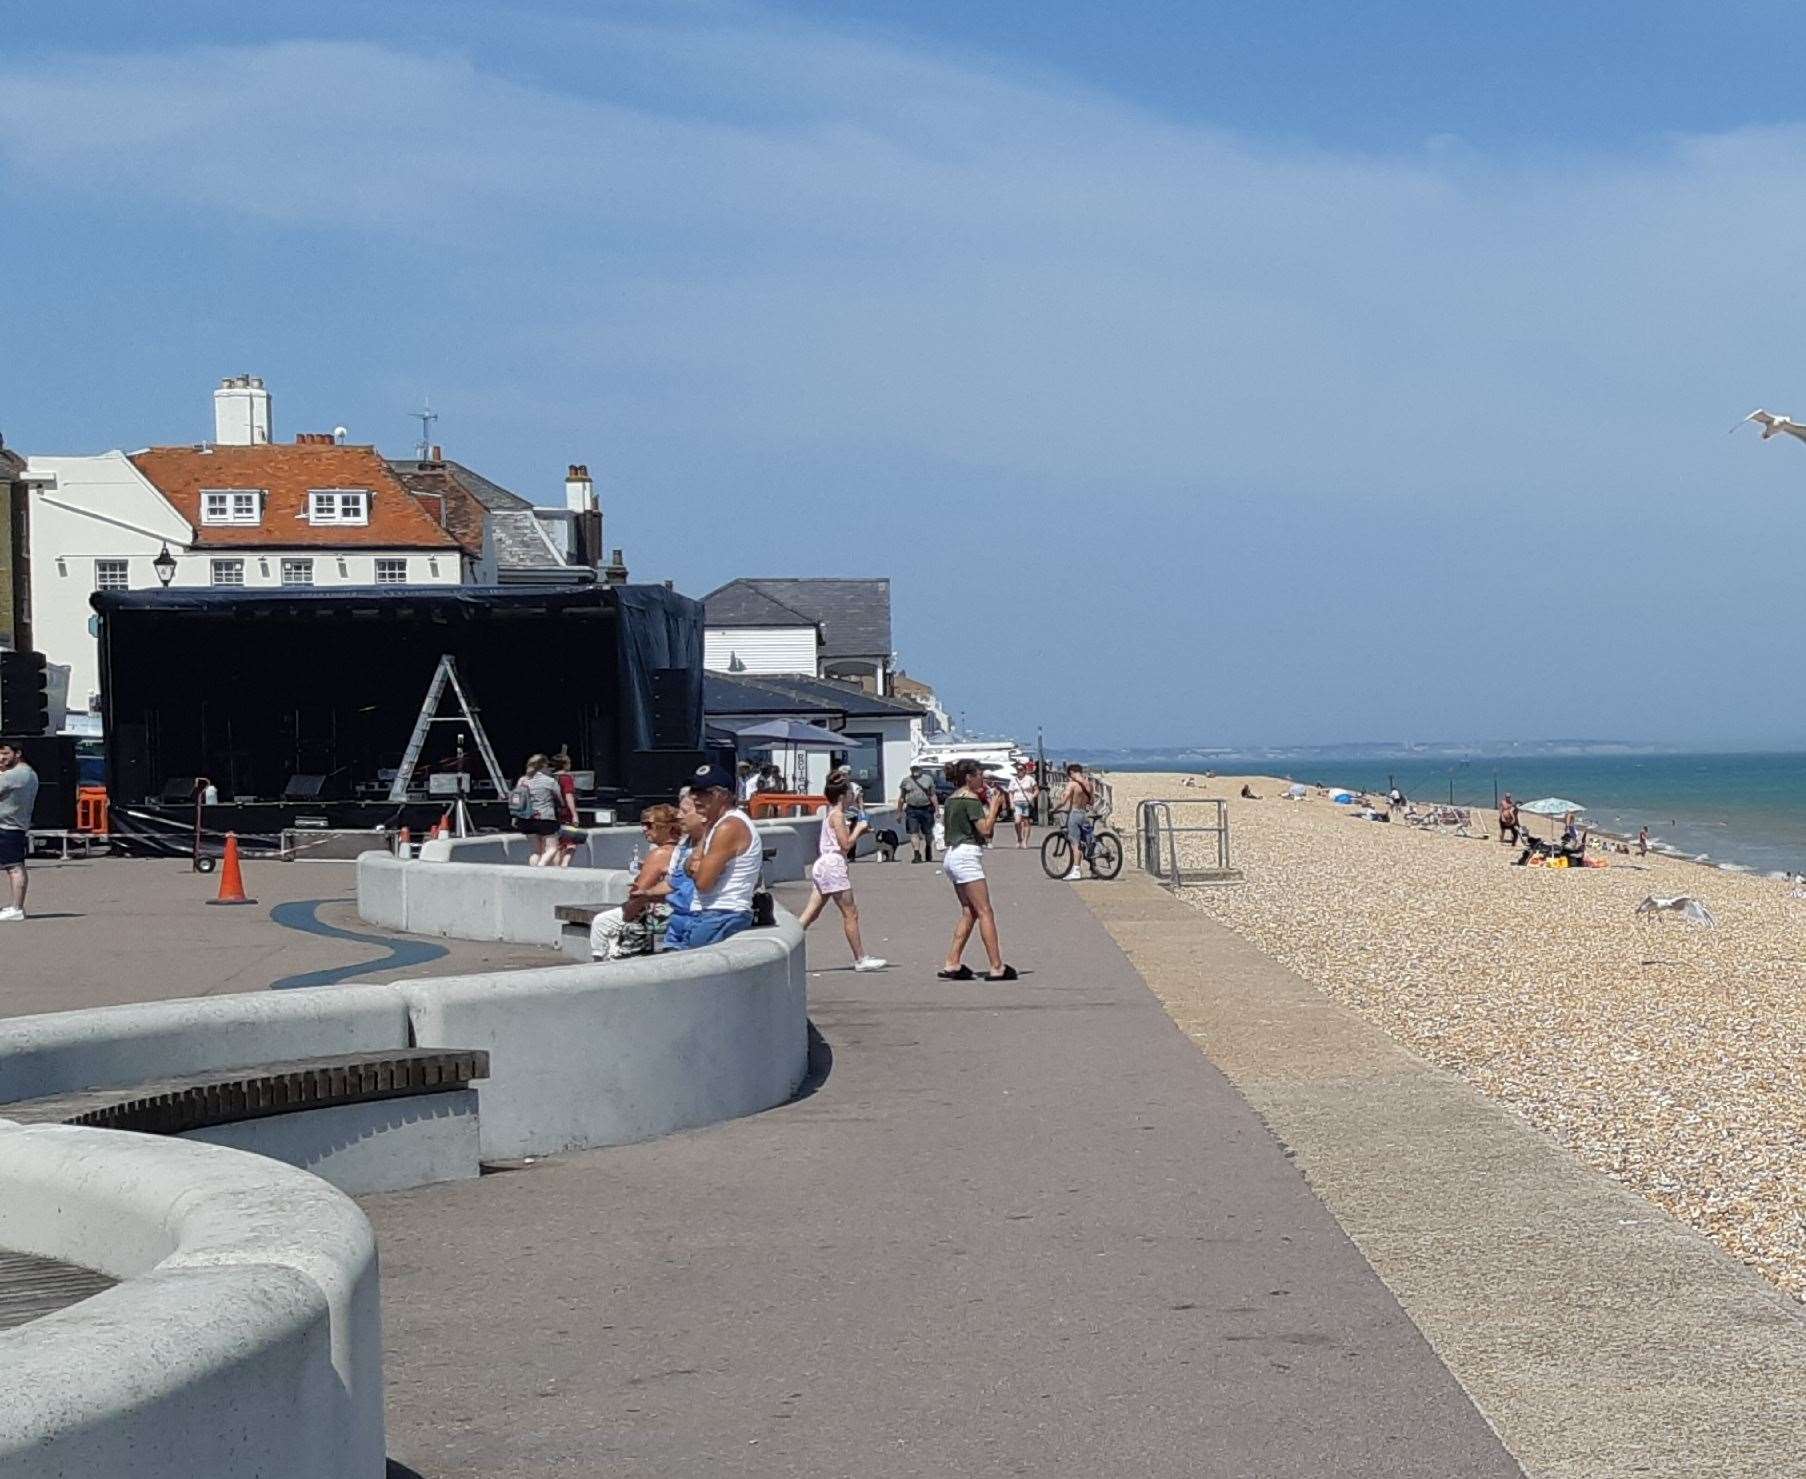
(699, 880)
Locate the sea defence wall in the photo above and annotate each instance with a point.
(245, 1336)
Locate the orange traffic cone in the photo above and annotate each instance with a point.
(231, 881)
(404, 844)
(444, 826)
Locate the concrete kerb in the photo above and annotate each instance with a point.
(246, 1336)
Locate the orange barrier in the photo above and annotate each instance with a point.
(766, 804)
(91, 810)
(231, 880)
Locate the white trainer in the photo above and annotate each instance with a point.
(869, 963)
(9, 914)
(1073, 877)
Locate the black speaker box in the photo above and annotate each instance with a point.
(305, 788)
(52, 756)
(177, 789)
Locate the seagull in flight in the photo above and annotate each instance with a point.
(1685, 905)
(1773, 425)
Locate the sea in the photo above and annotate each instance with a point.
(1743, 811)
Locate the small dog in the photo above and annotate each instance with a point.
(886, 841)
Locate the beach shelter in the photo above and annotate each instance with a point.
(1553, 807)
(1342, 797)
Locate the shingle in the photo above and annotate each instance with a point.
(521, 542)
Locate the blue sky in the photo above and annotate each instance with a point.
(1220, 374)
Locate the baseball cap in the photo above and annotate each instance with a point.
(711, 778)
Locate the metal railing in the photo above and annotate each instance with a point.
(1181, 855)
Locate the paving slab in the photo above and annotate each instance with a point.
(112, 930)
(1600, 1336)
(1016, 1229)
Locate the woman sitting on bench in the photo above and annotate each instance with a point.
(636, 927)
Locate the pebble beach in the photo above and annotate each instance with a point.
(1667, 1055)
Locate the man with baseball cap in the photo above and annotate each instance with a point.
(725, 866)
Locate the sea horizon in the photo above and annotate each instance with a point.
(1743, 810)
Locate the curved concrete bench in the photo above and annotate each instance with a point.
(244, 1338)
(579, 1055)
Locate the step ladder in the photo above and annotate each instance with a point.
(446, 672)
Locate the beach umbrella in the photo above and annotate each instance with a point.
(1553, 807)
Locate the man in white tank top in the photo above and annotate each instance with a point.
(725, 866)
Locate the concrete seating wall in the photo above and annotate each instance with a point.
(614, 847)
(245, 1337)
(580, 1055)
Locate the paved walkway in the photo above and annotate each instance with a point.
(1022, 1229)
(139, 929)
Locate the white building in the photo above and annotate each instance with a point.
(825, 628)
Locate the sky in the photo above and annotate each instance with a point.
(1229, 374)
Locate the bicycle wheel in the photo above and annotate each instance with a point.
(1106, 855)
(1056, 855)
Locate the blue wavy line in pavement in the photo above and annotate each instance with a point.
(400, 954)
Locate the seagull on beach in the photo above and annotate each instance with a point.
(1685, 905)
(1773, 425)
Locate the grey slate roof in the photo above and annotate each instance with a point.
(492, 496)
(520, 540)
(725, 695)
(853, 615)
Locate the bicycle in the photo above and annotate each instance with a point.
(1104, 857)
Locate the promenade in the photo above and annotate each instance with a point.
(1016, 1229)
(112, 930)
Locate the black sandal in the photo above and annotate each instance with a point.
(964, 973)
(1008, 973)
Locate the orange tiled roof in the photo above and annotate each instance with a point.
(286, 473)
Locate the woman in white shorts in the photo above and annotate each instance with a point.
(970, 815)
(829, 876)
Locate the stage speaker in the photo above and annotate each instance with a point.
(658, 775)
(52, 756)
(305, 788)
(177, 789)
(674, 726)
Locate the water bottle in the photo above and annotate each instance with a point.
(633, 863)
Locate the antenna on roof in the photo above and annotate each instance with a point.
(426, 415)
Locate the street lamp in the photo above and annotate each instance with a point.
(165, 566)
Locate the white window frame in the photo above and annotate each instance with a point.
(214, 568)
(231, 505)
(401, 579)
(338, 505)
(297, 563)
(112, 575)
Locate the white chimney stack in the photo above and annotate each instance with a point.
(579, 491)
(241, 412)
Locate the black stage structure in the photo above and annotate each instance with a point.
(297, 704)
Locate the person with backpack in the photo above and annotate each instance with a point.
(533, 807)
(918, 802)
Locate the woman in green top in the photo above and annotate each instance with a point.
(969, 817)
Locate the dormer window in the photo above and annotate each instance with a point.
(338, 506)
(231, 505)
